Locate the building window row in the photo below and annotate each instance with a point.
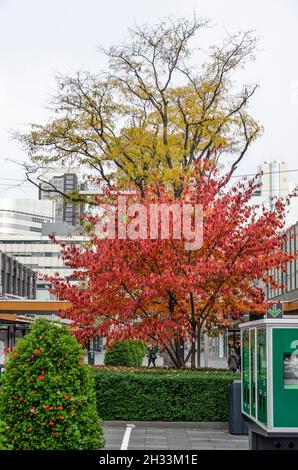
(21, 227)
(35, 254)
(22, 216)
(288, 276)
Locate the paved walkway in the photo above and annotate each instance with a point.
(211, 362)
(174, 436)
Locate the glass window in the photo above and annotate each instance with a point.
(253, 372)
(262, 374)
(290, 370)
(245, 373)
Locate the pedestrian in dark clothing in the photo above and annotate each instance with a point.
(238, 354)
(151, 357)
(233, 361)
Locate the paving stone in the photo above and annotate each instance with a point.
(174, 438)
(182, 437)
(201, 442)
(156, 447)
(114, 434)
(150, 439)
(224, 445)
(156, 441)
(156, 430)
(195, 433)
(177, 447)
(206, 445)
(242, 446)
(218, 433)
(183, 442)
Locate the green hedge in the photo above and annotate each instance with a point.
(148, 395)
(128, 353)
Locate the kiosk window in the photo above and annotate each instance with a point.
(245, 373)
(262, 374)
(252, 372)
(290, 370)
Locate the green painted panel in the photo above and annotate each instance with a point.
(285, 377)
(245, 373)
(262, 374)
(252, 372)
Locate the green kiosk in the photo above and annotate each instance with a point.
(269, 394)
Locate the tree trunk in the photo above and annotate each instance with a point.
(181, 350)
(173, 355)
(193, 354)
(199, 348)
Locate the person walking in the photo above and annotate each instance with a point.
(233, 360)
(238, 354)
(151, 357)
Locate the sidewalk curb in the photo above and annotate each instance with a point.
(216, 426)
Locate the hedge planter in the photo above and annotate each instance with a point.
(163, 395)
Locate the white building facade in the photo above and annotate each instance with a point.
(19, 217)
(41, 255)
(274, 184)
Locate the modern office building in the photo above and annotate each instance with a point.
(40, 254)
(275, 183)
(274, 179)
(16, 279)
(288, 277)
(63, 181)
(24, 216)
(16, 282)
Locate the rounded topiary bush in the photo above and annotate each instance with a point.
(47, 395)
(127, 353)
(3, 439)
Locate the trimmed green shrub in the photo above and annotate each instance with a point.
(165, 395)
(128, 353)
(47, 394)
(3, 439)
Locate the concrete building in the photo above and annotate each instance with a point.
(40, 254)
(24, 216)
(274, 179)
(289, 278)
(65, 181)
(16, 279)
(16, 282)
(275, 183)
(25, 226)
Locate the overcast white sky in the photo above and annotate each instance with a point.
(38, 38)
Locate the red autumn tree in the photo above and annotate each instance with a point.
(156, 289)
